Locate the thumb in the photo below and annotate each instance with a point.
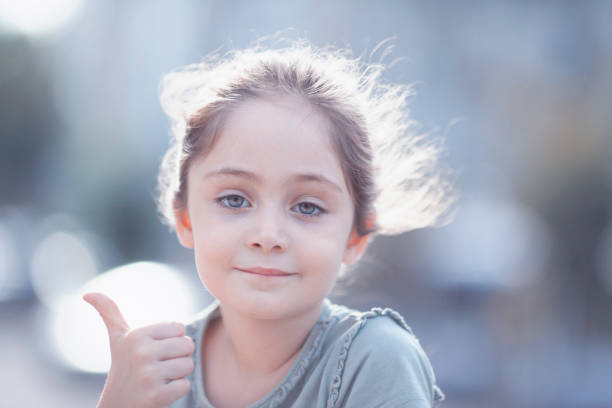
(108, 309)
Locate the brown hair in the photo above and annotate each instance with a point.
(390, 172)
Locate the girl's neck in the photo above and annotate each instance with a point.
(262, 347)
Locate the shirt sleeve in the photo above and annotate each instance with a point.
(385, 366)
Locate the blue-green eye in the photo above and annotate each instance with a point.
(309, 209)
(233, 201)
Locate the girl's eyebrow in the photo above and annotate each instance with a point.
(232, 171)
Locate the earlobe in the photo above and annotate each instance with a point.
(184, 231)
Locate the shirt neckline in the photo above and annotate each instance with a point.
(278, 393)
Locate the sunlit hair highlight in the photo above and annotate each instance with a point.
(392, 172)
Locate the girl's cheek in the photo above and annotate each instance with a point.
(323, 250)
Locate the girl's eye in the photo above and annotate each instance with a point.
(309, 209)
(233, 201)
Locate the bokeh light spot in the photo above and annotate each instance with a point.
(61, 264)
(37, 17)
(492, 244)
(146, 293)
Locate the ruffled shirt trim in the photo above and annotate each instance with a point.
(278, 395)
(298, 370)
(312, 347)
(347, 340)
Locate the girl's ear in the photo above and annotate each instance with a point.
(357, 244)
(184, 232)
(355, 247)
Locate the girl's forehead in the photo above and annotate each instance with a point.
(283, 135)
(279, 110)
(281, 125)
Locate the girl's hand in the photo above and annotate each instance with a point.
(148, 364)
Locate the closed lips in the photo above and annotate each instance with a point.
(266, 271)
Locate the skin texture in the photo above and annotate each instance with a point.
(270, 194)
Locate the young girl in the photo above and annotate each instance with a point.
(284, 163)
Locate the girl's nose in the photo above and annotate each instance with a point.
(268, 234)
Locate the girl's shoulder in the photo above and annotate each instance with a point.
(377, 351)
(378, 330)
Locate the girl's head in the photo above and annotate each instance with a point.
(389, 172)
(270, 198)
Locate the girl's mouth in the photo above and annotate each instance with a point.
(265, 271)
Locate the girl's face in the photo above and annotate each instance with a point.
(268, 212)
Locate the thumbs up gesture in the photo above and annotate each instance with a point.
(148, 364)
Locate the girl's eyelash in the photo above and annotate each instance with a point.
(317, 210)
(237, 201)
(224, 201)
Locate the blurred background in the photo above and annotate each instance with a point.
(512, 301)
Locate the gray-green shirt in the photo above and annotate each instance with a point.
(350, 359)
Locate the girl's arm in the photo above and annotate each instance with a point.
(148, 364)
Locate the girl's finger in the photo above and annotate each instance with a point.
(108, 309)
(175, 389)
(173, 347)
(164, 330)
(176, 368)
